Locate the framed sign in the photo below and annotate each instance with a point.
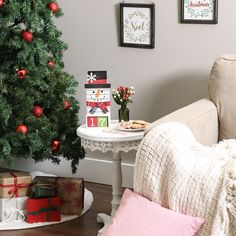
(199, 11)
(137, 25)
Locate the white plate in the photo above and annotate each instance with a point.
(119, 127)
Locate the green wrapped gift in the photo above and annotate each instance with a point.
(42, 190)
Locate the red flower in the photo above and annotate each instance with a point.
(122, 95)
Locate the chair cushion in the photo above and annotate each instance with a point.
(137, 216)
(222, 91)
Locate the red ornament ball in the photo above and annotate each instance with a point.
(51, 64)
(22, 129)
(27, 36)
(52, 6)
(22, 73)
(55, 145)
(2, 3)
(37, 111)
(66, 105)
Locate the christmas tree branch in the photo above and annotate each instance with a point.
(16, 22)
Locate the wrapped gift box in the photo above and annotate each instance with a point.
(43, 210)
(43, 190)
(14, 184)
(70, 190)
(12, 209)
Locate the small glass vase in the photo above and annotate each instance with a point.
(123, 113)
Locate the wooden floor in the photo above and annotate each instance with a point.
(85, 225)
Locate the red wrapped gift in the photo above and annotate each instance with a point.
(43, 210)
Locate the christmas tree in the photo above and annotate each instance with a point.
(38, 109)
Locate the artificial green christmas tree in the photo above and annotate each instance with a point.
(38, 109)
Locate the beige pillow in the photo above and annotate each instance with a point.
(222, 91)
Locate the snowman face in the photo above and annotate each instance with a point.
(98, 95)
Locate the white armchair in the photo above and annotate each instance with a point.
(181, 166)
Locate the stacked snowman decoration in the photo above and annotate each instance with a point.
(97, 99)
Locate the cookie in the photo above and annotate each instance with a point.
(142, 122)
(136, 126)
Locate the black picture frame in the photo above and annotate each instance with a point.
(137, 25)
(199, 12)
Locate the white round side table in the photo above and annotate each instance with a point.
(116, 141)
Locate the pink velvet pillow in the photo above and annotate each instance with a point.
(138, 216)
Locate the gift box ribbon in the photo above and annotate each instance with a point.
(15, 187)
(14, 215)
(45, 209)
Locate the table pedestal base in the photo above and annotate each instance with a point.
(106, 220)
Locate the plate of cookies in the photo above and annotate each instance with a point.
(132, 125)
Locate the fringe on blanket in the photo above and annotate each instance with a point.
(228, 211)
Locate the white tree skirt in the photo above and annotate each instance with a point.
(88, 200)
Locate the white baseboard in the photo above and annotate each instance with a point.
(92, 170)
(100, 171)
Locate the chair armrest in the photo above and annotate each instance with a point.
(201, 117)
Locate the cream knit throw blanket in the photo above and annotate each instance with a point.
(177, 172)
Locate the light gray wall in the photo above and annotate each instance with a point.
(173, 74)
